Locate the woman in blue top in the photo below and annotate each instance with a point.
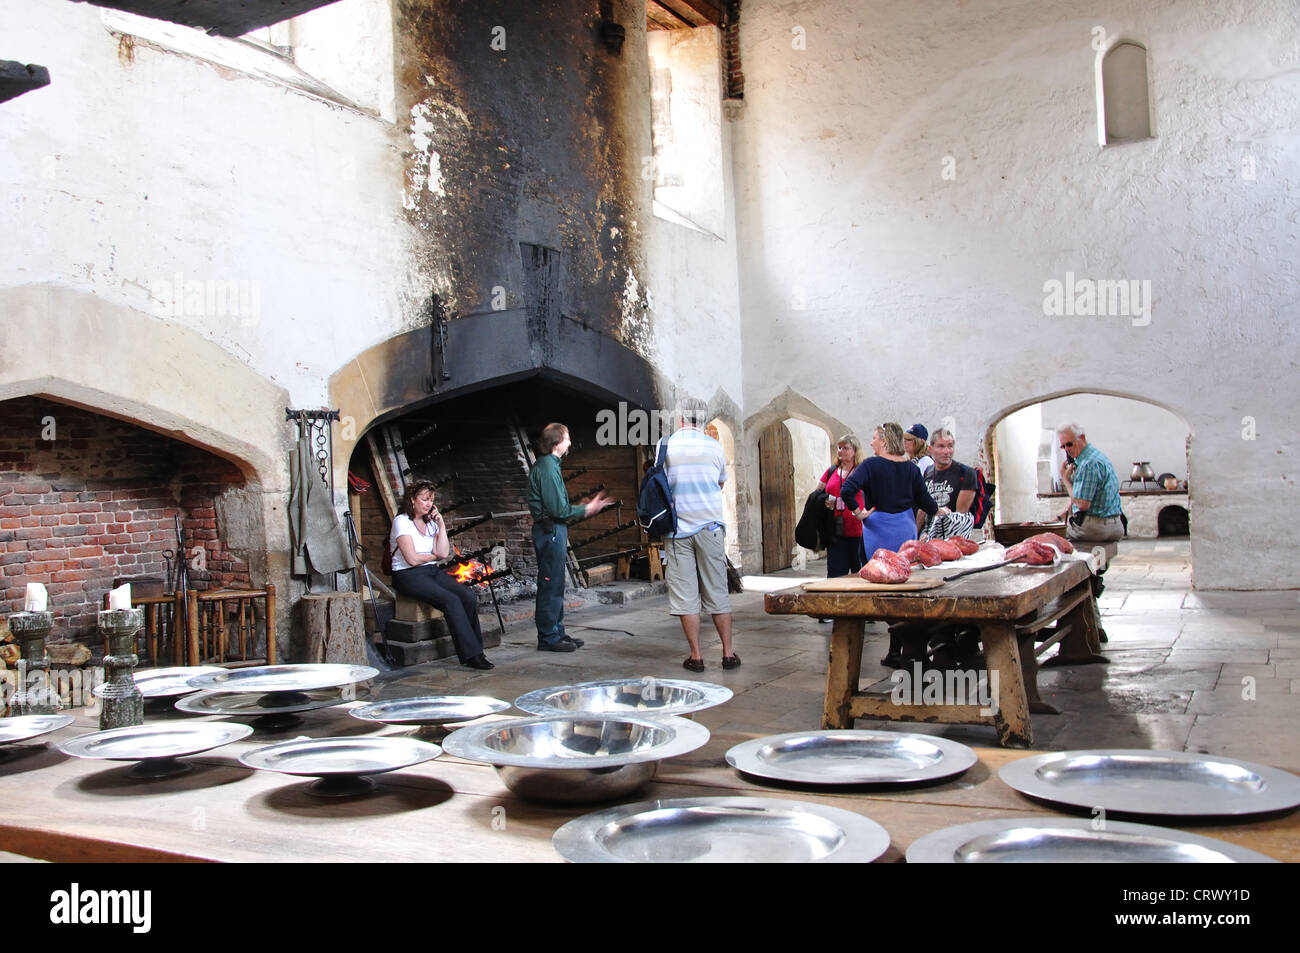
(893, 490)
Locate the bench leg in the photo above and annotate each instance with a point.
(843, 670)
(1029, 673)
(1002, 651)
(1082, 644)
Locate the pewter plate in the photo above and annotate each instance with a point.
(851, 757)
(146, 742)
(582, 741)
(1072, 840)
(430, 710)
(273, 703)
(323, 757)
(166, 682)
(23, 727)
(1159, 783)
(639, 696)
(284, 678)
(722, 830)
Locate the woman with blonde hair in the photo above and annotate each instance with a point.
(892, 491)
(844, 552)
(918, 451)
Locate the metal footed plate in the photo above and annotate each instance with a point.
(156, 747)
(166, 682)
(341, 763)
(722, 830)
(23, 727)
(284, 678)
(851, 757)
(1159, 783)
(273, 703)
(430, 710)
(1072, 840)
(639, 696)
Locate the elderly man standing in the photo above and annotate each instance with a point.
(1090, 481)
(548, 502)
(696, 552)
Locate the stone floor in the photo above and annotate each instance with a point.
(1214, 672)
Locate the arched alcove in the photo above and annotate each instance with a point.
(1127, 429)
(1123, 93)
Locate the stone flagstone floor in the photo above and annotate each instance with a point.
(1214, 672)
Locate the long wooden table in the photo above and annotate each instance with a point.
(66, 809)
(1003, 602)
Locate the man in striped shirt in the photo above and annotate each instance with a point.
(696, 555)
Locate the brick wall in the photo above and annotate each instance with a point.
(731, 51)
(86, 498)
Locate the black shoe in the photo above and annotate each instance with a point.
(893, 660)
(479, 662)
(578, 643)
(731, 661)
(560, 646)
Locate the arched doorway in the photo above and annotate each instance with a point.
(792, 455)
(1130, 431)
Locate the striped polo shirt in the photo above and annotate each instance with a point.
(696, 470)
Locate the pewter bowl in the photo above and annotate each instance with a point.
(631, 696)
(576, 759)
(430, 711)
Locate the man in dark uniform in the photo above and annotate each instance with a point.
(548, 502)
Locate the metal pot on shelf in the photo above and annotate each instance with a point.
(1142, 472)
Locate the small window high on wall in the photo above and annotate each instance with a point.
(1123, 98)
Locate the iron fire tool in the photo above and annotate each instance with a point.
(609, 532)
(359, 554)
(422, 435)
(437, 451)
(456, 505)
(461, 558)
(607, 556)
(576, 473)
(470, 524)
(183, 589)
(592, 492)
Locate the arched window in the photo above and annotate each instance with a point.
(1123, 100)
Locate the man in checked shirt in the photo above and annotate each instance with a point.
(1090, 481)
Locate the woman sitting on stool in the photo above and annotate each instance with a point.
(419, 540)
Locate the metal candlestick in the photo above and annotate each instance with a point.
(34, 695)
(123, 703)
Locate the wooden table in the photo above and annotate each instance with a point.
(1010, 605)
(66, 809)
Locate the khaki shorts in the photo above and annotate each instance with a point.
(697, 572)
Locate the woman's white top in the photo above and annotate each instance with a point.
(423, 542)
(924, 463)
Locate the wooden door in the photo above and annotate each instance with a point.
(776, 495)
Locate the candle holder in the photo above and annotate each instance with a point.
(34, 695)
(123, 705)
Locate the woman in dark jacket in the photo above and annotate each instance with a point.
(892, 489)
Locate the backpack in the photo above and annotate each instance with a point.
(982, 505)
(654, 504)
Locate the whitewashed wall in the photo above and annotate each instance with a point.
(884, 290)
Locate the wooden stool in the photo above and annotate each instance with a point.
(413, 610)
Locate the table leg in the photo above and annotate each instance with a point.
(1082, 644)
(843, 671)
(1002, 652)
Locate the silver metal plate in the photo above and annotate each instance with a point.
(568, 742)
(284, 678)
(141, 742)
(22, 727)
(640, 696)
(851, 757)
(430, 710)
(323, 757)
(1158, 783)
(1072, 840)
(166, 682)
(722, 830)
(274, 703)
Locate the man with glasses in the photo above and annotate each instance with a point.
(1090, 481)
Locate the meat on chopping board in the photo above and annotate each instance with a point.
(886, 566)
(946, 548)
(1051, 539)
(1032, 553)
(920, 551)
(968, 547)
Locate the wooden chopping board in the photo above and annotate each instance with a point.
(856, 583)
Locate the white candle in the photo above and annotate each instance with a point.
(37, 598)
(120, 598)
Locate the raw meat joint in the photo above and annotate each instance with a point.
(886, 566)
(1032, 553)
(920, 551)
(1051, 539)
